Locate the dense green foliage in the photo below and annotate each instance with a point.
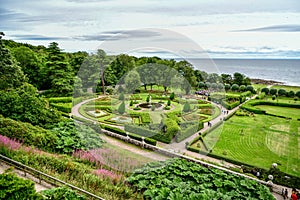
(72, 136)
(13, 187)
(62, 193)
(180, 179)
(27, 133)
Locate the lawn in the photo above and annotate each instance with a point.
(287, 87)
(293, 113)
(259, 141)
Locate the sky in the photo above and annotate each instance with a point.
(218, 28)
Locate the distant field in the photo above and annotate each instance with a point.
(287, 88)
(259, 141)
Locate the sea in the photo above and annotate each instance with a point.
(286, 71)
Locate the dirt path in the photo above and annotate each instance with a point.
(38, 186)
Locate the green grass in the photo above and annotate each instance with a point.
(259, 86)
(293, 113)
(287, 88)
(260, 141)
(281, 100)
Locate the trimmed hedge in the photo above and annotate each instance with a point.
(63, 107)
(60, 100)
(139, 130)
(185, 133)
(230, 106)
(114, 129)
(139, 138)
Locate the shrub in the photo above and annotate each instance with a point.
(62, 193)
(122, 97)
(63, 107)
(172, 96)
(137, 108)
(265, 90)
(297, 94)
(121, 109)
(60, 100)
(131, 103)
(273, 97)
(27, 133)
(114, 129)
(235, 87)
(250, 88)
(169, 102)
(167, 108)
(290, 94)
(227, 87)
(281, 92)
(273, 91)
(242, 88)
(186, 107)
(14, 187)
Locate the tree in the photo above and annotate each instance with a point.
(242, 88)
(273, 97)
(102, 61)
(24, 104)
(250, 88)
(201, 85)
(172, 96)
(281, 92)
(226, 78)
(11, 75)
(121, 109)
(58, 72)
(227, 87)
(273, 91)
(235, 87)
(30, 64)
(121, 96)
(238, 78)
(132, 81)
(297, 94)
(265, 90)
(290, 94)
(214, 78)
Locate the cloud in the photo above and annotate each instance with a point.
(118, 35)
(36, 37)
(276, 28)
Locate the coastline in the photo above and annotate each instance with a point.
(266, 82)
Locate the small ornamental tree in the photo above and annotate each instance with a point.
(227, 87)
(250, 88)
(169, 102)
(148, 99)
(242, 88)
(290, 94)
(273, 97)
(201, 85)
(131, 103)
(172, 96)
(235, 87)
(273, 91)
(122, 97)
(297, 94)
(265, 90)
(121, 108)
(281, 92)
(186, 107)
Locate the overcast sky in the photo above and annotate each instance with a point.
(222, 28)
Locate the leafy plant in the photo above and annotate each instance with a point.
(180, 179)
(62, 193)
